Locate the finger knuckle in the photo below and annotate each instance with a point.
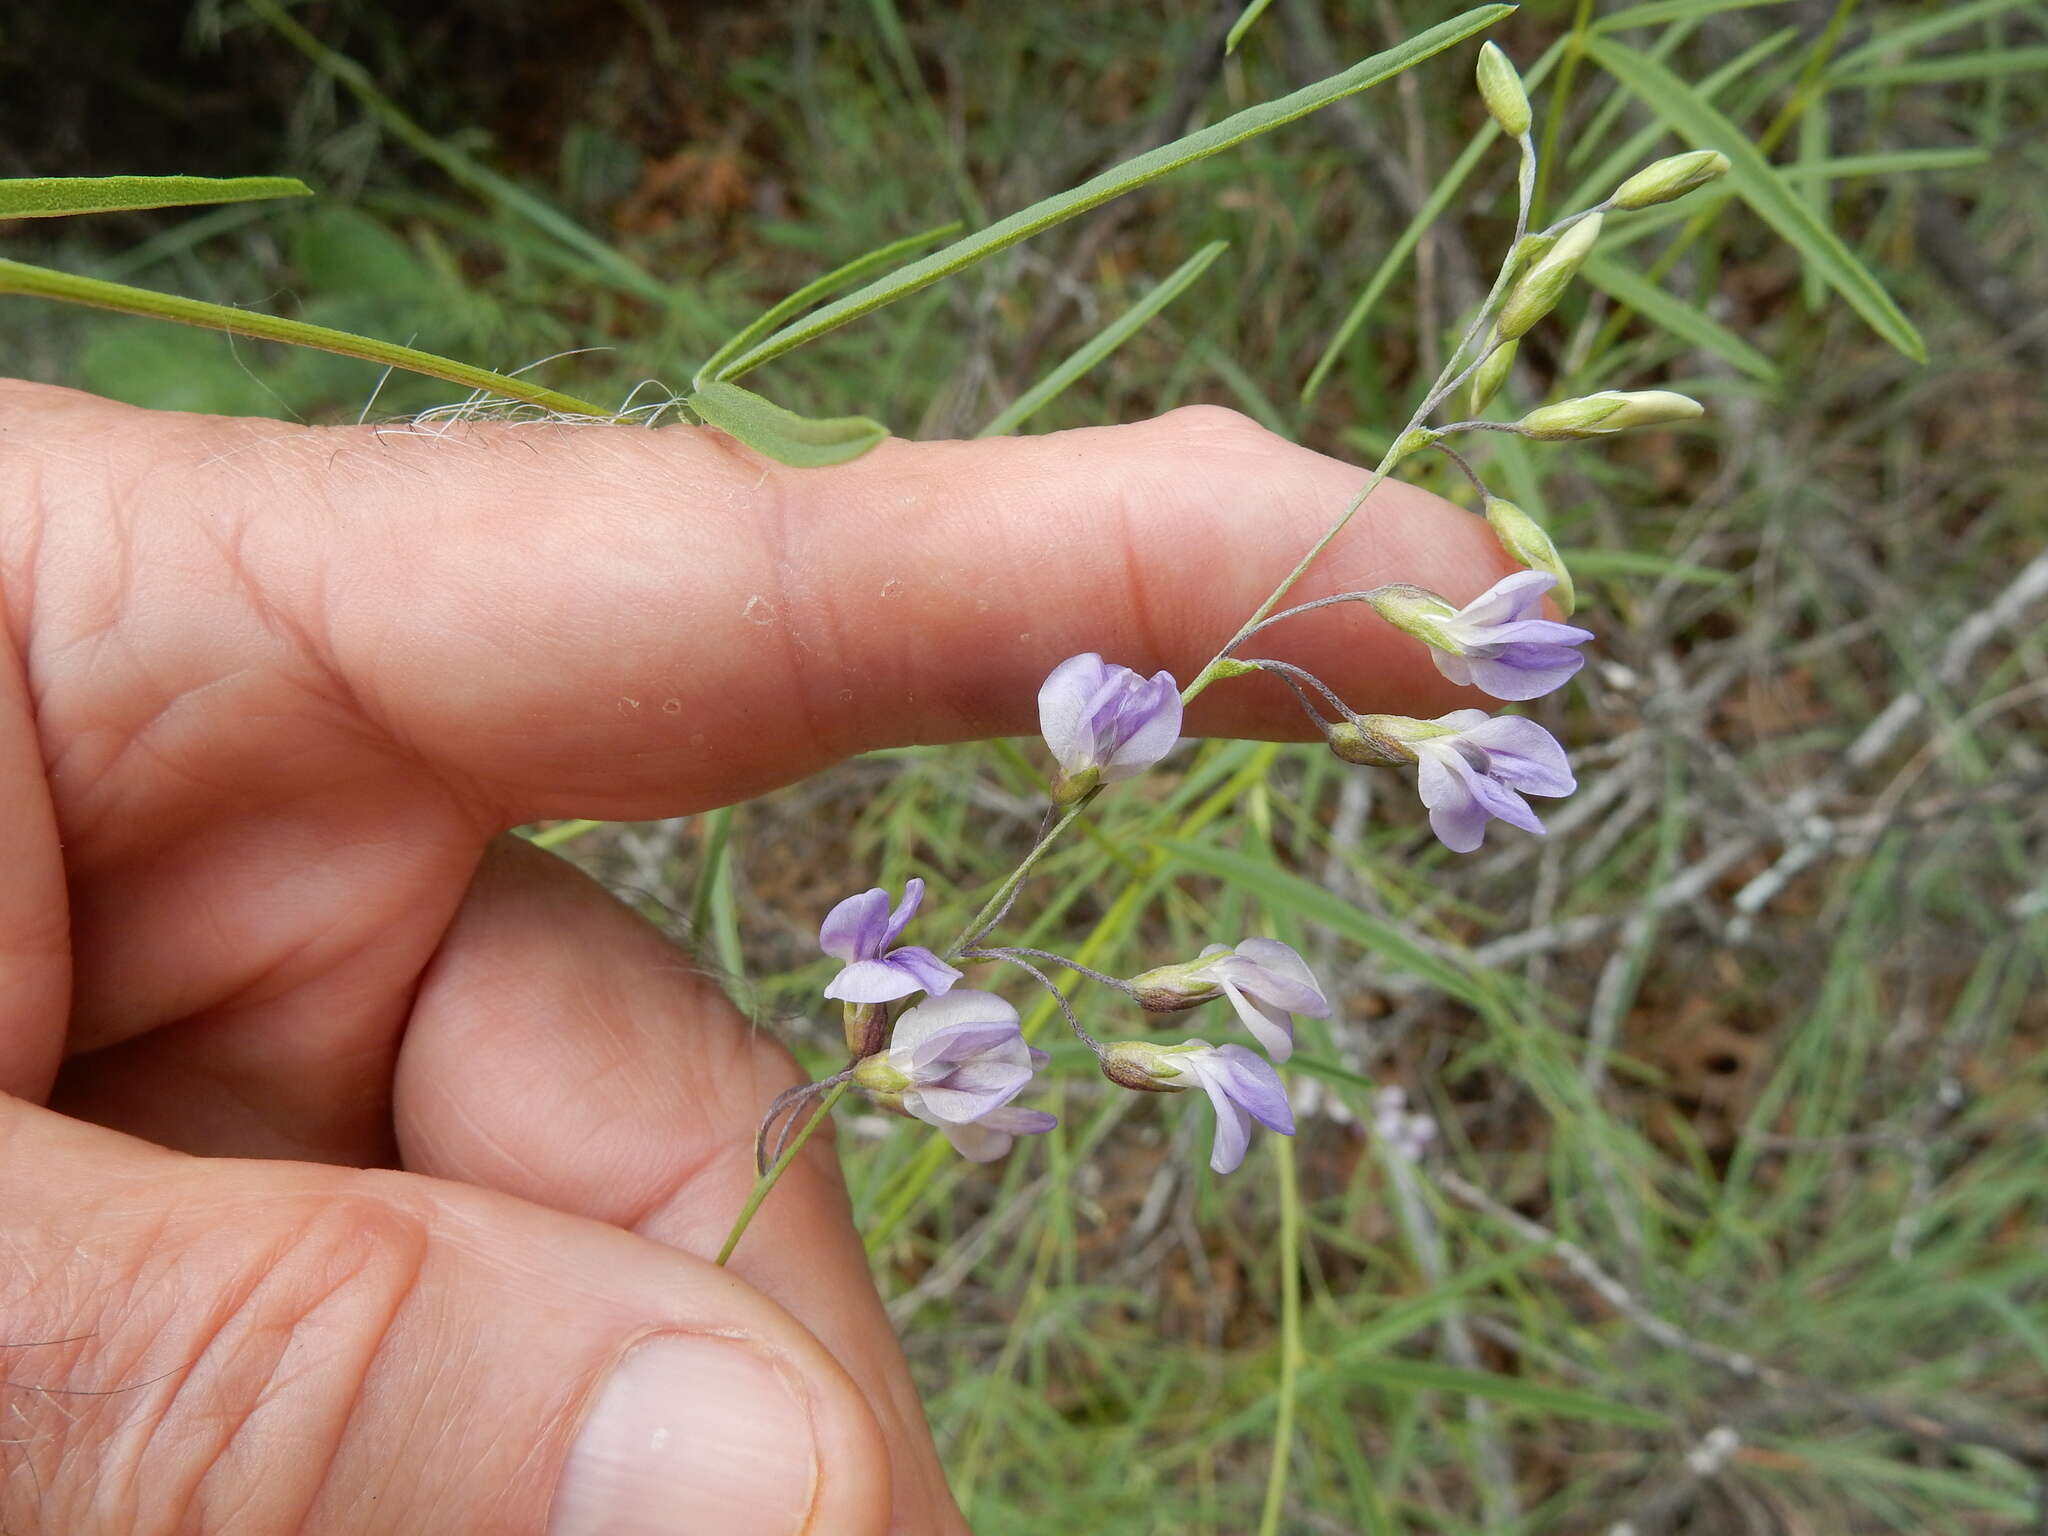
(191, 1365)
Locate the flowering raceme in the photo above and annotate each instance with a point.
(1104, 722)
(860, 929)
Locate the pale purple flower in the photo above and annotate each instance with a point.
(1244, 1087)
(1473, 774)
(963, 1058)
(1406, 1136)
(1105, 722)
(1497, 643)
(1265, 980)
(860, 930)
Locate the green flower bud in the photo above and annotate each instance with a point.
(1523, 537)
(1611, 410)
(1143, 1067)
(1230, 666)
(1412, 443)
(1491, 374)
(1501, 89)
(866, 1025)
(1381, 741)
(1671, 177)
(1537, 291)
(1414, 611)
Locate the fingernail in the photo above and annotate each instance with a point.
(689, 1434)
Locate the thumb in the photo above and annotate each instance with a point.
(199, 1345)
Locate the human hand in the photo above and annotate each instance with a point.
(466, 1127)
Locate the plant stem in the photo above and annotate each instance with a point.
(768, 1180)
(1290, 1334)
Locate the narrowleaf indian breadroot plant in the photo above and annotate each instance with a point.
(958, 1059)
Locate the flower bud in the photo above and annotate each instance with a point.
(1669, 178)
(1230, 666)
(1413, 610)
(867, 1027)
(1501, 89)
(1412, 443)
(1491, 374)
(1537, 291)
(1142, 1067)
(1523, 537)
(1609, 411)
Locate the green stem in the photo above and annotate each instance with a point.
(43, 283)
(1016, 876)
(768, 1180)
(1290, 1334)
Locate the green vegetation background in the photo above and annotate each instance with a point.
(1758, 1030)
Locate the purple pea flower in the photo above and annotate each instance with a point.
(860, 929)
(1244, 1087)
(957, 1061)
(1105, 722)
(1241, 1084)
(1472, 774)
(1265, 980)
(1497, 644)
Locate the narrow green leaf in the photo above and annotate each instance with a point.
(1135, 172)
(817, 289)
(1676, 316)
(45, 197)
(41, 282)
(1305, 899)
(1243, 24)
(1637, 562)
(1657, 12)
(1895, 38)
(1753, 179)
(1897, 162)
(1950, 66)
(807, 442)
(1104, 342)
(1556, 1402)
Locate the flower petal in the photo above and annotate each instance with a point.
(1525, 671)
(1284, 978)
(1255, 1085)
(1233, 1127)
(930, 972)
(853, 929)
(913, 893)
(1506, 600)
(1270, 1026)
(1524, 755)
(948, 1028)
(1064, 701)
(1146, 728)
(871, 981)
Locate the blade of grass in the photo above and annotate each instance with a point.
(1104, 342)
(1133, 173)
(42, 282)
(1673, 314)
(45, 197)
(1704, 127)
(816, 290)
